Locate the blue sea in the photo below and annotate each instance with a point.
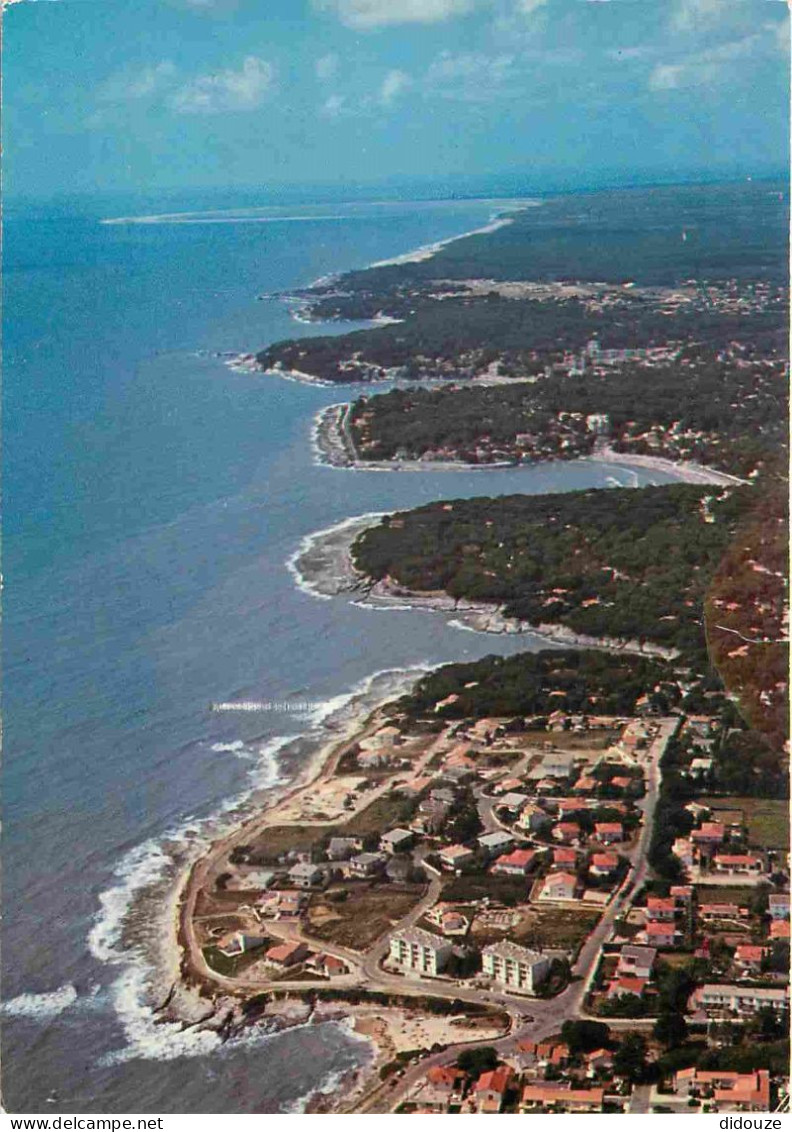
(153, 497)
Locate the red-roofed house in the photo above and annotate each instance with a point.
(490, 1089)
(779, 929)
(603, 864)
(561, 1098)
(329, 965)
(598, 1061)
(286, 954)
(559, 886)
(609, 831)
(568, 832)
(565, 857)
(585, 784)
(517, 863)
(738, 864)
(747, 1091)
(749, 956)
(621, 782)
(660, 934)
(507, 785)
(626, 984)
(662, 908)
(709, 833)
(445, 1084)
(553, 1053)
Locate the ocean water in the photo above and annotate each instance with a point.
(152, 500)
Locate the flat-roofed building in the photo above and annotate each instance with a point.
(713, 997)
(517, 968)
(420, 951)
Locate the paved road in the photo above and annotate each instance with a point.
(547, 1015)
(550, 1014)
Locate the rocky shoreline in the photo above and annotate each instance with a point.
(324, 567)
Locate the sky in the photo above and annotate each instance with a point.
(160, 95)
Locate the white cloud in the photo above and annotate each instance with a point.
(366, 14)
(326, 68)
(780, 32)
(130, 85)
(711, 66)
(470, 76)
(333, 107)
(244, 89)
(693, 15)
(394, 84)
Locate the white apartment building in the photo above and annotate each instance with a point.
(515, 967)
(742, 1000)
(417, 950)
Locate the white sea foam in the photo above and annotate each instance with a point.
(155, 860)
(325, 714)
(455, 624)
(395, 608)
(43, 1006)
(145, 1037)
(231, 748)
(333, 1081)
(141, 867)
(206, 218)
(150, 871)
(329, 1084)
(149, 1038)
(308, 542)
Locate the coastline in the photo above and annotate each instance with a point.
(429, 251)
(685, 470)
(334, 447)
(323, 567)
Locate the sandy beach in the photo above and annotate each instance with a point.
(334, 446)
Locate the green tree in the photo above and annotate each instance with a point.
(670, 1029)
(478, 1061)
(582, 1036)
(630, 1058)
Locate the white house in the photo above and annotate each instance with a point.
(559, 886)
(558, 764)
(396, 840)
(305, 875)
(455, 856)
(498, 842)
(637, 961)
(365, 864)
(533, 818)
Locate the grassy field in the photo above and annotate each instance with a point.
(571, 740)
(362, 915)
(725, 894)
(767, 818)
(475, 886)
(280, 839)
(382, 814)
(563, 928)
(385, 812)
